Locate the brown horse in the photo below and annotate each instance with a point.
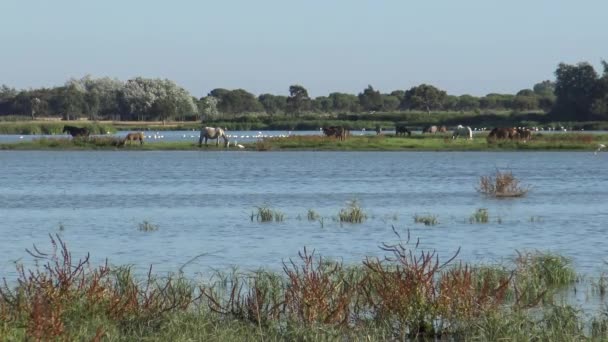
(134, 136)
(503, 133)
(336, 131)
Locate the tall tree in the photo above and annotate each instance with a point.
(298, 100)
(424, 97)
(575, 88)
(273, 103)
(370, 99)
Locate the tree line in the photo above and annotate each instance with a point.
(578, 93)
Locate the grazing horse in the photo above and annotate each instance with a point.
(464, 131)
(503, 133)
(524, 134)
(212, 133)
(336, 131)
(134, 136)
(401, 129)
(443, 129)
(430, 129)
(76, 131)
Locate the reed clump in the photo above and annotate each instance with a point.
(353, 213)
(480, 216)
(266, 214)
(501, 184)
(428, 220)
(147, 226)
(312, 215)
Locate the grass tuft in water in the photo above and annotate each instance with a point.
(266, 214)
(480, 216)
(313, 215)
(353, 213)
(428, 220)
(147, 226)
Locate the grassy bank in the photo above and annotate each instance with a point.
(418, 142)
(407, 294)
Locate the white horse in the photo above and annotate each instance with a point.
(212, 133)
(463, 131)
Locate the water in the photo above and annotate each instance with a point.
(202, 203)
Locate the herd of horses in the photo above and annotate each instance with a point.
(339, 132)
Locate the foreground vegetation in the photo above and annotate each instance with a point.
(407, 294)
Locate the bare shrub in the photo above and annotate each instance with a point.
(502, 184)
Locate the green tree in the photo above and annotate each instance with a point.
(345, 102)
(425, 97)
(575, 89)
(322, 104)
(237, 101)
(390, 103)
(467, 103)
(298, 100)
(273, 104)
(370, 99)
(207, 108)
(599, 107)
(544, 88)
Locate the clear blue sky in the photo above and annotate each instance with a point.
(464, 47)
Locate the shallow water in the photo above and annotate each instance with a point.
(202, 203)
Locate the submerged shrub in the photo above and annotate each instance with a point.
(502, 184)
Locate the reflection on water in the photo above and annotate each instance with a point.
(202, 203)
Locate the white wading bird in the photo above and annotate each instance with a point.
(599, 148)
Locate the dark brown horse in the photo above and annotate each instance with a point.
(76, 131)
(402, 130)
(134, 137)
(502, 133)
(336, 131)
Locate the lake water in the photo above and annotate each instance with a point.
(202, 202)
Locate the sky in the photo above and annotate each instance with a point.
(464, 47)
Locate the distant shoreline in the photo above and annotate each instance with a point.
(549, 142)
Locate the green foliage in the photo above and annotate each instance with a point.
(298, 100)
(424, 97)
